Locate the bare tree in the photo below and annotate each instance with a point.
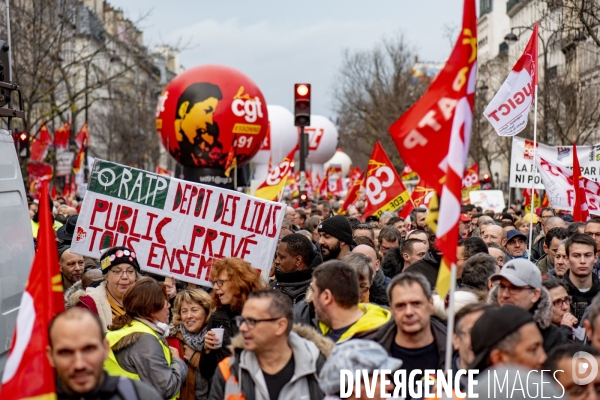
(374, 88)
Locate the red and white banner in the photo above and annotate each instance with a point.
(335, 186)
(383, 187)
(560, 189)
(509, 109)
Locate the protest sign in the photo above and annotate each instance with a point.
(521, 162)
(175, 227)
(558, 182)
(488, 199)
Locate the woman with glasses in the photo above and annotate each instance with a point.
(120, 269)
(233, 279)
(137, 340)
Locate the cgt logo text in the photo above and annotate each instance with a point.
(435, 384)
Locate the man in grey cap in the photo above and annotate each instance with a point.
(356, 354)
(521, 285)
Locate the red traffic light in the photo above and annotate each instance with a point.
(23, 136)
(302, 90)
(486, 176)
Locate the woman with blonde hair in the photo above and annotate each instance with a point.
(138, 348)
(191, 312)
(233, 279)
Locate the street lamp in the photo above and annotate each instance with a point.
(511, 37)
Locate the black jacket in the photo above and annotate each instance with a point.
(112, 388)
(386, 335)
(295, 284)
(392, 263)
(581, 300)
(428, 266)
(377, 292)
(221, 318)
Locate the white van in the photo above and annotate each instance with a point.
(16, 242)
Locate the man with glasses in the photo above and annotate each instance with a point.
(592, 228)
(269, 359)
(521, 285)
(561, 304)
(583, 285)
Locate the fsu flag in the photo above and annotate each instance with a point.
(276, 179)
(62, 136)
(580, 209)
(383, 187)
(434, 135)
(509, 109)
(353, 193)
(27, 373)
(39, 146)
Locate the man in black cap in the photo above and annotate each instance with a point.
(516, 244)
(506, 335)
(335, 238)
(65, 233)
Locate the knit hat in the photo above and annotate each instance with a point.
(62, 249)
(118, 255)
(338, 227)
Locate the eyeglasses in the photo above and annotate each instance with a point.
(251, 322)
(128, 272)
(219, 282)
(514, 289)
(559, 302)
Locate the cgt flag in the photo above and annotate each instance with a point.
(39, 146)
(353, 194)
(27, 373)
(434, 135)
(276, 179)
(383, 187)
(509, 109)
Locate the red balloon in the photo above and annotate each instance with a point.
(206, 111)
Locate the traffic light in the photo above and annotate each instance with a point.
(302, 104)
(486, 182)
(22, 142)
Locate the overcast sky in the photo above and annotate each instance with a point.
(279, 43)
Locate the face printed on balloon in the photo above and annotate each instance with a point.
(195, 129)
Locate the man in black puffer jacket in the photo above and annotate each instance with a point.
(295, 262)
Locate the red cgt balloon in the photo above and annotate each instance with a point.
(207, 110)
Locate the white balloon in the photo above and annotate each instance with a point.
(322, 139)
(340, 158)
(283, 138)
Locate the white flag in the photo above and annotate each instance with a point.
(509, 109)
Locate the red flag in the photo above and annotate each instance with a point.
(322, 188)
(83, 137)
(62, 136)
(384, 188)
(580, 209)
(38, 174)
(509, 109)
(434, 135)
(231, 160)
(39, 146)
(352, 196)
(79, 159)
(545, 201)
(27, 373)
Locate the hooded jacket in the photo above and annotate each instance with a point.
(392, 263)
(542, 316)
(295, 284)
(372, 319)
(428, 266)
(581, 300)
(142, 354)
(309, 351)
(386, 335)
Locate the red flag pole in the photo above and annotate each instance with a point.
(535, 81)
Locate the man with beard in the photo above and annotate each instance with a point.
(296, 259)
(195, 130)
(335, 238)
(77, 350)
(70, 265)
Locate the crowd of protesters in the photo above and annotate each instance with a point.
(345, 292)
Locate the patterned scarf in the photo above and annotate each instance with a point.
(194, 340)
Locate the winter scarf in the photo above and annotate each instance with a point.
(194, 340)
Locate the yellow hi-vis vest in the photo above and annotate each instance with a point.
(111, 364)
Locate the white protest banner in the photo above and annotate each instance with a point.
(175, 227)
(521, 161)
(488, 199)
(64, 163)
(558, 182)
